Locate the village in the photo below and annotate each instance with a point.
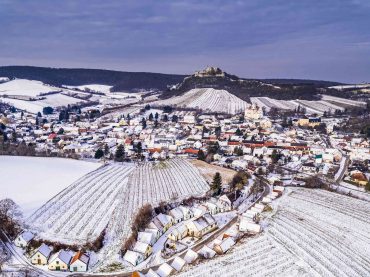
(267, 154)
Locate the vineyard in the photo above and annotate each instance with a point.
(326, 104)
(207, 99)
(80, 212)
(170, 180)
(313, 233)
(109, 197)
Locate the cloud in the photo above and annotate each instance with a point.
(188, 34)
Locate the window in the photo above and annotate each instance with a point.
(57, 262)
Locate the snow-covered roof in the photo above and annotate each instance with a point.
(44, 250)
(140, 247)
(190, 256)
(27, 236)
(151, 273)
(164, 270)
(227, 244)
(178, 263)
(207, 252)
(145, 237)
(80, 256)
(65, 256)
(132, 257)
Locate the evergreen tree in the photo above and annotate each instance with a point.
(175, 118)
(37, 121)
(120, 153)
(151, 117)
(139, 149)
(156, 123)
(165, 118)
(99, 154)
(238, 151)
(106, 150)
(201, 155)
(238, 132)
(156, 116)
(39, 114)
(216, 183)
(143, 122)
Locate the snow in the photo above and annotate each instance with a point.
(207, 99)
(93, 87)
(311, 233)
(31, 181)
(25, 87)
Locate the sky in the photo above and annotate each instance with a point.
(311, 39)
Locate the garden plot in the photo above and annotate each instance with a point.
(207, 99)
(313, 233)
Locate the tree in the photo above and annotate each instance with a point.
(165, 118)
(120, 153)
(61, 131)
(156, 116)
(216, 183)
(147, 107)
(151, 117)
(201, 155)
(175, 118)
(239, 179)
(238, 132)
(143, 122)
(39, 114)
(37, 121)
(156, 123)
(99, 154)
(10, 217)
(218, 131)
(367, 186)
(106, 150)
(275, 156)
(47, 110)
(167, 109)
(139, 149)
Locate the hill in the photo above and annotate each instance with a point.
(120, 81)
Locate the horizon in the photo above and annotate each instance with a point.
(312, 40)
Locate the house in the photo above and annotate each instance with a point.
(41, 255)
(151, 273)
(143, 248)
(253, 112)
(188, 213)
(224, 246)
(79, 262)
(23, 239)
(162, 223)
(206, 252)
(177, 215)
(247, 226)
(60, 261)
(178, 233)
(154, 231)
(147, 237)
(178, 263)
(165, 270)
(133, 257)
(201, 226)
(190, 256)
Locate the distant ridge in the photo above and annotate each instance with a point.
(170, 84)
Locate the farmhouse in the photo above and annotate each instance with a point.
(224, 246)
(23, 239)
(201, 226)
(143, 248)
(42, 255)
(178, 233)
(61, 261)
(79, 262)
(133, 257)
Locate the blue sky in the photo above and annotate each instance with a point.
(314, 39)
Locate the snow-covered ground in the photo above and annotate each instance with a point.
(92, 87)
(313, 233)
(207, 99)
(31, 181)
(25, 87)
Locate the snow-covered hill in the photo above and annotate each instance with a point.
(207, 99)
(25, 87)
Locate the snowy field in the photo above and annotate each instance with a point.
(313, 233)
(92, 87)
(25, 87)
(207, 99)
(31, 181)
